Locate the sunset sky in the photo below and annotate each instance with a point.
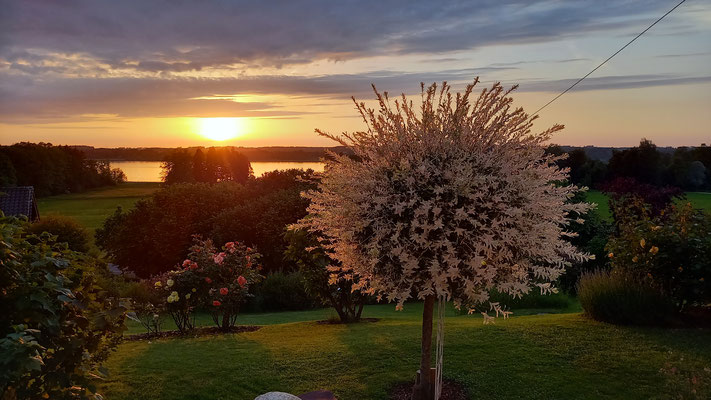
(147, 73)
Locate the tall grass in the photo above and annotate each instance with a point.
(621, 298)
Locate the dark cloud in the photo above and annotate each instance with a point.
(154, 97)
(165, 35)
(684, 55)
(612, 82)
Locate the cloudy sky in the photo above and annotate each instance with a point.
(148, 73)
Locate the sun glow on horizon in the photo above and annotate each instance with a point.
(221, 129)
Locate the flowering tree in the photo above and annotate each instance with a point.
(451, 202)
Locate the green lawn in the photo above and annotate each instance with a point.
(92, 207)
(550, 356)
(698, 199)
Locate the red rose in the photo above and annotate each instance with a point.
(242, 280)
(224, 291)
(208, 280)
(216, 303)
(194, 265)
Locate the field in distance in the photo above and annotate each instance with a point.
(92, 207)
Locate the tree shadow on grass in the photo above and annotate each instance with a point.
(231, 366)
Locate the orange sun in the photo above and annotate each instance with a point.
(221, 129)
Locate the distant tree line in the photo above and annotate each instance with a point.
(688, 168)
(280, 153)
(54, 169)
(217, 164)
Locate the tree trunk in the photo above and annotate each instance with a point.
(226, 321)
(424, 388)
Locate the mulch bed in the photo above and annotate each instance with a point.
(197, 332)
(338, 322)
(450, 391)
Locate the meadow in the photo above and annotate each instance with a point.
(92, 207)
(533, 355)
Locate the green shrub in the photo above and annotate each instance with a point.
(622, 298)
(281, 292)
(313, 261)
(56, 324)
(68, 230)
(672, 250)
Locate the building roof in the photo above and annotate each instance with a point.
(15, 201)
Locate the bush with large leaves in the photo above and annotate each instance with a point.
(56, 324)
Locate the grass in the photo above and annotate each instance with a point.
(92, 207)
(551, 356)
(698, 200)
(564, 304)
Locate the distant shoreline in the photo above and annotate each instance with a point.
(286, 153)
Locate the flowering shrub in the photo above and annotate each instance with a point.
(217, 281)
(672, 250)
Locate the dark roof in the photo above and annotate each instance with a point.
(19, 200)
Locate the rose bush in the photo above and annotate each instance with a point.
(217, 281)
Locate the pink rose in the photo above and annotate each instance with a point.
(219, 258)
(224, 291)
(242, 281)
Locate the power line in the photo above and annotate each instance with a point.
(609, 58)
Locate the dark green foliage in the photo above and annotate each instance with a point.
(53, 169)
(592, 238)
(56, 324)
(262, 222)
(281, 292)
(688, 168)
(155, 235)
(621, 298)
(583, 170)
(67, 230)
(313, 262)
(644, 163)
(220, 164)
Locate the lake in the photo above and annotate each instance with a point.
(149, 171)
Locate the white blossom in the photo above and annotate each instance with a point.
(454, 199)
